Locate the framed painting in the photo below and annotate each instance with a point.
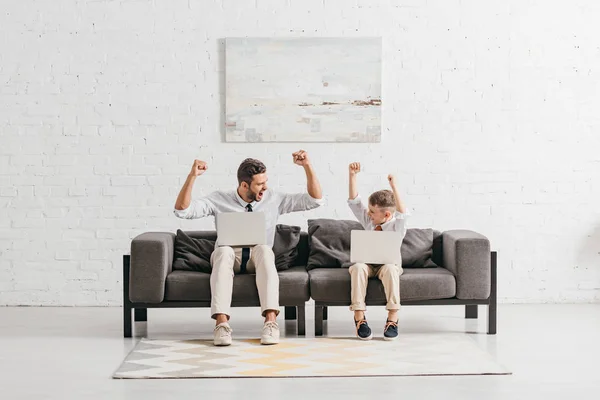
(303, 89)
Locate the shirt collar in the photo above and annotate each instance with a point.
(243, 202)
(388, 222)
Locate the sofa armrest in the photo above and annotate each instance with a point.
(467, 255)
(151, 262)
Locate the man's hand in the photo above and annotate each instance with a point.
(354, 168)
(185, 195)
(312, 183)
(198, 168)
(301, 158)
(392, 180)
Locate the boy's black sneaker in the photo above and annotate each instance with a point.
(362, 330)
(390, 332)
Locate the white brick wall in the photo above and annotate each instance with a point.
(490, 121)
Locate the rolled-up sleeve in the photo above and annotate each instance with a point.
(298, 202)
(199, 208)
(401, 221)
(359, 210)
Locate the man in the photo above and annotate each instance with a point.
(251, 195)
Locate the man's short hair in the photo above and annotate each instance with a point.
(383, 198)
(248, 168)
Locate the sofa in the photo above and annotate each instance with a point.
(463, 272)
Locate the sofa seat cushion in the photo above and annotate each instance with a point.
(195, 286)
(333, 285)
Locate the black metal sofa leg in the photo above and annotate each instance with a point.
(140, 314)
(493, 306)
(471, 311)
(319, 310)
(301, 321)
(290, 313)
(127, 323)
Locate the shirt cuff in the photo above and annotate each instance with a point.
(181, 213)
(403, 215)
(319, 202)
(356, 200)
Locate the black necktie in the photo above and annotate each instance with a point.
(245, 250)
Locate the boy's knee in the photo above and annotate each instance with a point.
(391, 269)
(358, 268)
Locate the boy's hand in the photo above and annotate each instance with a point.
(301, 158)
(198, 168)
(392, 180)
(354, 168)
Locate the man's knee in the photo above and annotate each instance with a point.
(358, 268)
(263, 258)
(223, 253)
(262, 250)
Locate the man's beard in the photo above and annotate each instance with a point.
(251, 195)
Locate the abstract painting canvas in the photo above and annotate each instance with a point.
(303, 89)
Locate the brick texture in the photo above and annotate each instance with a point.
(490, 121)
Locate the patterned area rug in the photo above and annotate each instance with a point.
(411, 354)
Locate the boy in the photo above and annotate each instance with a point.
(385, 212)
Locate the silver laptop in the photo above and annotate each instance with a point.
(241, 229)
(372, 247)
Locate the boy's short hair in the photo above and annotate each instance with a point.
(383, 198)
(248, 168)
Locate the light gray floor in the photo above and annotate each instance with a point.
(70, 353)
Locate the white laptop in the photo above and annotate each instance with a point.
(241, 229)
(373, 247)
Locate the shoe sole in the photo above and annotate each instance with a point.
(390, 339)
(365, 338)
(269, 342)
(222, 344)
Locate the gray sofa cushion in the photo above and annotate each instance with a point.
(151, 262)
(417, 248)
(192, 253)
(332, 285)
(329, 242)
(438, 248)
(285, 246)
(467, 255)
(195, 286)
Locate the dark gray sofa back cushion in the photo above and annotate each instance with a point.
(192, 253)
(193, 249)
(329, 242)
(417, 248)
(302, 257)
(285, 246)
